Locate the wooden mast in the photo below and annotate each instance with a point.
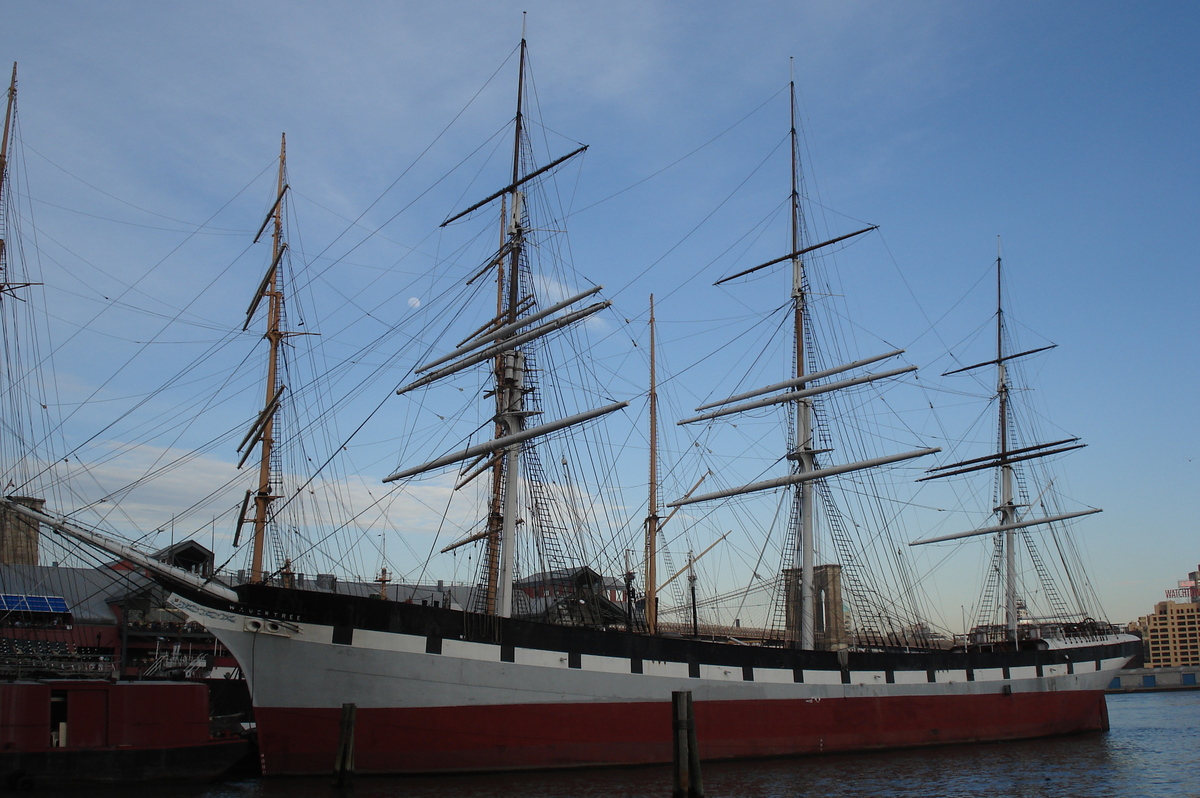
(692, 590)
(12, 98)
(263, 496)
(652, 524)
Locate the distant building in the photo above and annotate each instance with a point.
(106, 622)
(830, 632)
(576, 596)
(18, 534)
(1171, 636)
(1187, 589)
(555, 584)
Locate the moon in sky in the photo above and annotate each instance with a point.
(413, 302)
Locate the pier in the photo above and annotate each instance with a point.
(1146, 680)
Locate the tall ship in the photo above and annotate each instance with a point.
(545, 660)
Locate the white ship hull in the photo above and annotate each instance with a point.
(432, 703)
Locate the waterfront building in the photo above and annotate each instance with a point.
(1171, 636)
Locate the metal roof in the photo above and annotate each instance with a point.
(87, 592)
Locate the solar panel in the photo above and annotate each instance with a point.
(15, 602)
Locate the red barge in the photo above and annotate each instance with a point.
(57, 733)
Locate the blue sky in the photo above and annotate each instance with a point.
(1068, 129)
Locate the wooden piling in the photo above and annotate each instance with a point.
(688, 783)
(679, 743)
(695, 783)
(343, 766)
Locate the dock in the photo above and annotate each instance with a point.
(1147, 680)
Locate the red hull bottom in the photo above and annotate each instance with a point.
(490, 738)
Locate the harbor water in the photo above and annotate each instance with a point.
(1152, 749)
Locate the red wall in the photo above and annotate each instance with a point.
(100, 713)
(158, 714)
(24, 716)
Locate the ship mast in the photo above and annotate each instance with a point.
(263, 430)
(17, 394)
(510, 380)
(796, 393)
(6, 285)
(1010, 521)
(1007, 511)
(652, 520)
(8, 113)
(501, 342)
(804, 456)
(495, 518)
